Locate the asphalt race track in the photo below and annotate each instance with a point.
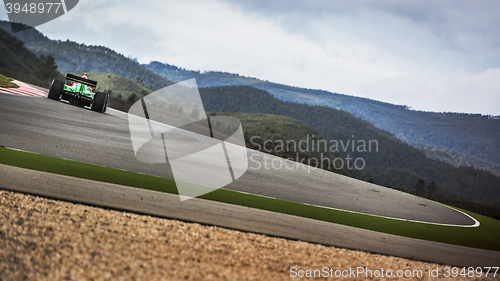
(61, 130)
(58, 129)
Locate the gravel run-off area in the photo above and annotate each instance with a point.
(44, 239)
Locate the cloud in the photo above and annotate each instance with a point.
(478, 92)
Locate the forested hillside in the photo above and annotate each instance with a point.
(395, 164)
(16, 61)
(73, 57)
(470, 139)
(284, 137)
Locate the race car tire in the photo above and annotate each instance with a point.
(100, 101)
(55, 90)
(106, 103)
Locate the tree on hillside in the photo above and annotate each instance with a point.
(139, 80)
(420, 187)
(47, 69)
(132, 98)
(431, 188)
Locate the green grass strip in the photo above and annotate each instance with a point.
(484, 237)
(5, 82)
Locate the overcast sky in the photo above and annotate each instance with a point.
(430, 55)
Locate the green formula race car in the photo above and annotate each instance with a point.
(79, 91)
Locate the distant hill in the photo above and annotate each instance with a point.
(269, 126)
(72, 57)
(395, 164)
(467, 139)
(276, 134)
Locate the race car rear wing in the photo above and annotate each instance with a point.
(78, 79)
